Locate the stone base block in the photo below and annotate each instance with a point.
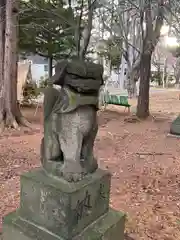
(175, 127)
(108, 227)
(61, 207)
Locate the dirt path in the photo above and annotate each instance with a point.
(145, 165)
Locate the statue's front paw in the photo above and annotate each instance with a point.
(72, 177)
(72, 172)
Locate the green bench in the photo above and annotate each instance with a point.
(118, 100)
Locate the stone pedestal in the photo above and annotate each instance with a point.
(175, 127)
(53, 209)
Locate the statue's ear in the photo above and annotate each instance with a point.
(60, 72)
(60, 76)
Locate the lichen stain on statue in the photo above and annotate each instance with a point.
(70, 120)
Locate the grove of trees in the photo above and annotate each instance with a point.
(127, 30)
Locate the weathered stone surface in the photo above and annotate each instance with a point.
(68, 198)
(82, 69)
(17, 228)
(64, 208)
(109, 227)
(70, 120)
(175, 126)
(85, 86)
(67, 146)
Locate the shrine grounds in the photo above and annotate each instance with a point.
(144, 162)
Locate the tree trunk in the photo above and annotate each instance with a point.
(177, 79)
(14, 77)
(122, 75)
(8, 65)
(159, 80)
(2, 39)
(133, 77)
(50, 66)
(9, 108)
(87, 31)
(150, 38)
(164, 73)
(143, 98)
(131, 88)
(177, 71)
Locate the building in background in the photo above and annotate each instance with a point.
(39, 67)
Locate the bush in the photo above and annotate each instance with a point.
(30, 92)
(43, 83)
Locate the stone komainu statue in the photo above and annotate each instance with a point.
(70, 120)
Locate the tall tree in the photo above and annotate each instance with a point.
(150, 37)
(125, 24)
(84, 37)
(177, 71)
(46, 29)
(55, 29)
(10, 115)
(2, 39)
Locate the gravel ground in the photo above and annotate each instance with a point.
(145, 165)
